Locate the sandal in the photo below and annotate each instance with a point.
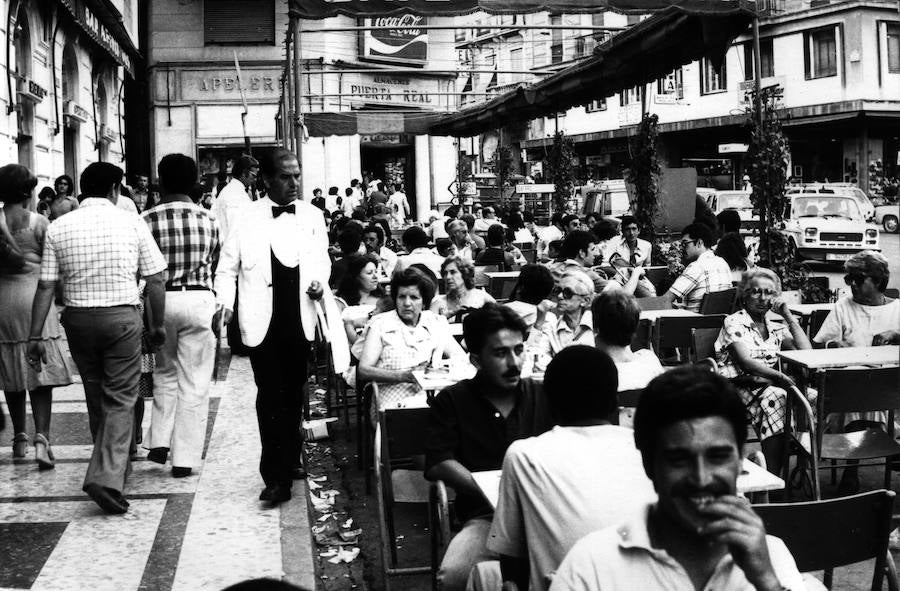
(20, 445)
(43, 455)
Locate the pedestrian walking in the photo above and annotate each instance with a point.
(189, 240)
(22, 236)
(96, 252)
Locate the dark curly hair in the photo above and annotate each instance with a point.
(16, 183)
(348, 287)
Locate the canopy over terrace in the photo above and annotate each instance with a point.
(672, 37)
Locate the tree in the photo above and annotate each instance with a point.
(559, 169)
(643, 174)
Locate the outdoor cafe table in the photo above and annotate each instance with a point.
(653, 315)
(752, 479)
(813, 359)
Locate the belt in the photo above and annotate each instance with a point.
(186, 288)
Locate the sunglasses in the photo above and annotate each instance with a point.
(857, 278)
(686, 242)
(567, 293)
(757, 292)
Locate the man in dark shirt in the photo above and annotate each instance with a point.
(473, 422)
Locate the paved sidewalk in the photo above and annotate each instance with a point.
(206, 531)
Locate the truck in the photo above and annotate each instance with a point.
(677, 196)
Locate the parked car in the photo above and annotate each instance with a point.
(827, 227)
(865, 204)
(719, 201)
(608, 198)
(887, 216)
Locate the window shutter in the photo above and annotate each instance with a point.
(237, 22)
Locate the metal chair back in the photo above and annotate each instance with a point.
(719, 302)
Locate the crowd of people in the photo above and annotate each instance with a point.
(162, 276)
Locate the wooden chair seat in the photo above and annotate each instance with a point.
(873, 442)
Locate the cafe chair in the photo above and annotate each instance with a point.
(858, 390)
(399, 478)
(675, 333)
(816, 320)
(824, 535)
(657, 276)
(703, 347)
(366, 397)
(501, 288)
(481, 279)
(719, 302)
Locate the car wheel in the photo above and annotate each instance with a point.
(890, 223)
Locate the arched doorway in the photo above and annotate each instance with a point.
(24, 107)
(71, 124)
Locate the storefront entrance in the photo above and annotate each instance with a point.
(391, 158)
(215, 162)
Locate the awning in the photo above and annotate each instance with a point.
(641, 54)
(317, 9)
(105, 29)
(369, 122)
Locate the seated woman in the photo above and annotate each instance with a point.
(732, 248)
(747, 350)
(616, 316)
(358, 293)
(461, 296)
(867, 317)
(406, 338)
(532, 290)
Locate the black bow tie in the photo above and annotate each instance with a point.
(278, 210)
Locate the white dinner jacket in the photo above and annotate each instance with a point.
(247, 257)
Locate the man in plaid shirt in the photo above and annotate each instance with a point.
(189, 240)
(95, 252)
(705, 272)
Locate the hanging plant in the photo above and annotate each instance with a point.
(643, 175)
(560, 171)
(767, 159)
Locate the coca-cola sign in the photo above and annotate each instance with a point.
(406, 43)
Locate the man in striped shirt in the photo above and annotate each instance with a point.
(189, 239)
(96, 252)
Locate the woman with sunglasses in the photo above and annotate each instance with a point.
(571, 324)
(747, 352)
(867, 317)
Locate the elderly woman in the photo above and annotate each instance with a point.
(461, 296)
(571, 324)
(867, 317)
(22, 235)
(358, 293)
(534, 286)
(404, 339)
(747, 350)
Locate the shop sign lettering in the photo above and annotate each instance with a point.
(222, 85)
(391, 89)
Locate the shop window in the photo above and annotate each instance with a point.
(231, 22)
(597, 105)
(631, 96)
(766, 55)
(712, 79)
(672, 85)
(893, 48)
(820, 53)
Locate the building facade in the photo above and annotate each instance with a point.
(365, 96)
(837, 62)
(65, 65)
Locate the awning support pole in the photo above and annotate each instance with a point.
(298, 94)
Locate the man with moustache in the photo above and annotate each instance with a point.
(278, 252)
(690, 427)
(471, 425)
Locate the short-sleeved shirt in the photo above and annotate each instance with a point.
(637, 258)
(856, 324)
(740, 328)
(622, 558)
(562, 485)
(188, 236)
(555, 335)
(708, 274)
(464, 426)
(96, 251)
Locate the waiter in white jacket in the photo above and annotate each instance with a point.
(278, 250)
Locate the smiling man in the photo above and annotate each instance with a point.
(690, 428)
(473, 423)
